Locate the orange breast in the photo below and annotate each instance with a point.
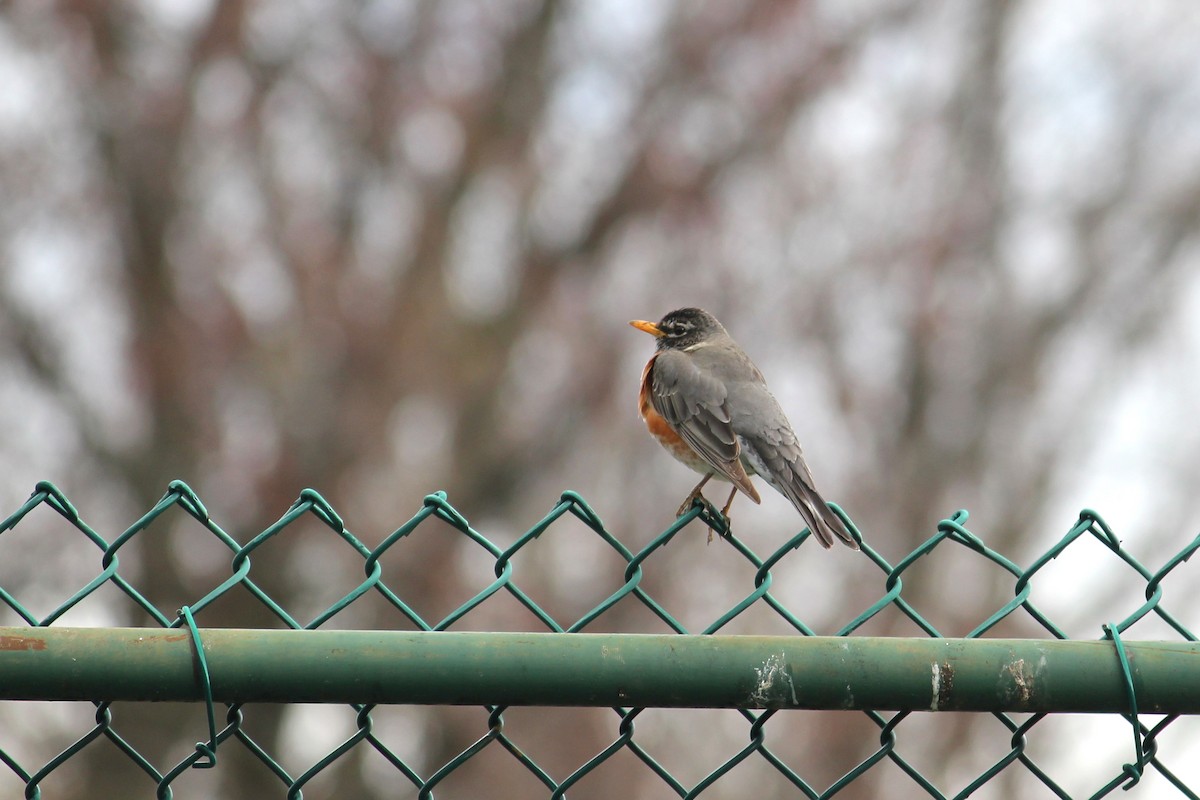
(661, 430)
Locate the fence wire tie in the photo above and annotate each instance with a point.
(56, 500)
(1134, 771)
(207, 749)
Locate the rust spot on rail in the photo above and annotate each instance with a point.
(22, 643)
(178, 637)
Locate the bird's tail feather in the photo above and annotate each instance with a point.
(824, 523)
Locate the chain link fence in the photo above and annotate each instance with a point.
(227, 731)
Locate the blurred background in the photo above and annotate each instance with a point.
(386, 248)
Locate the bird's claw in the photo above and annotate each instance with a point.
(717, 522)
(696, 498)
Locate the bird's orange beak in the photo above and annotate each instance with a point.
(648, 327)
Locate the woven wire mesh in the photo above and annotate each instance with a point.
(497, 737)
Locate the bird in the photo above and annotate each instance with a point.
(707, 403)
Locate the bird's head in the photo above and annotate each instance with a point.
(682, 328)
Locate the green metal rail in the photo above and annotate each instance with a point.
(1015, 684)
(556, 669)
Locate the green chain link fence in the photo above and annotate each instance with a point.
(229, 723)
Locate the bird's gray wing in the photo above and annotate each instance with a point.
(772, 448)
(694, 404)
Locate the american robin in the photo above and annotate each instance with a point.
(706, 402)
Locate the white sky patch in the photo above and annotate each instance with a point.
(432, 139)
(22, 89)
(262, 290)
(420, 429)
(484, 247)
(222, 92)
(180, 16)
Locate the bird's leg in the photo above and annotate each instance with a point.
(725, 514)
(693, 496)
(728, 503)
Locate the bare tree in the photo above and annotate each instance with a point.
(381, 250)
